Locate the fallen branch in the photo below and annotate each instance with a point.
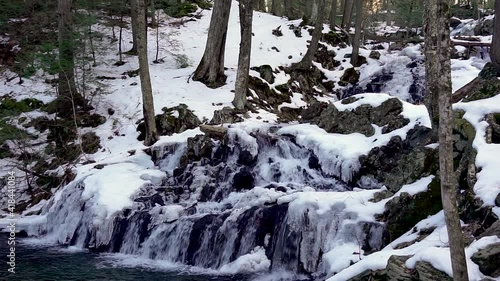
(461, 93)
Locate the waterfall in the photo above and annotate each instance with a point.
(261, 194)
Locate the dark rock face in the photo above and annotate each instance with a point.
(403, 212)
(243, 180)
(484, 27)
(426, 272)
(487, 259)
(246, 158)
(454, 22)
(402, 162)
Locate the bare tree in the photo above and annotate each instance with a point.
(241, 88)
(357, 33)
(346, 16)
(288, 7)
(146, 88)
(211, 68)
(135, 26)
(438, 79)
(306, 61)
(495, 44)
(68, 96)
(333, 15)
(388, 10)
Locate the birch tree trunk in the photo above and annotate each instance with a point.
(241, 88)
(437, 24)
(495, 44)
(306, 61)
(211, 68)
(357, 34)
(146, 88)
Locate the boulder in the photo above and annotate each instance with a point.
(396, 269)
(326, 58)
(487, 260)
(350, 75)
(359, 120)
(226, 115)
(374, 55)
(175, 119)
(266, 72)
(268, 98)
(484, 27)
(426, 272)
(404, 211)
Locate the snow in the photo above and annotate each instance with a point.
(114, 193)
(252, 262)
(111, 188)
(487, 186)
(348, 148)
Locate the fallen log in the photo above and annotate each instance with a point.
(461, 93)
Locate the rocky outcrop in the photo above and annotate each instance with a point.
(266, 72)
(396, 270)
(360, 119)
(487, 259)
(226, 115)
(175, 119)
(484, 27)
(404, 211)
(267, 98)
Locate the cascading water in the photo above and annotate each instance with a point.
(220, 203)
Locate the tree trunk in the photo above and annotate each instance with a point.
(154, 22)
(495, 44)
(262, 4)
(346, 17)
(135, 26)
(357, 34)
(211, 68)
(388, 9)
(68, 95)
(333, 15)
(147, 91)
(314, 14)
(431, 56)
(288, 4)
(241, 88)
(437, 25)
(306, 61)
(274, 7)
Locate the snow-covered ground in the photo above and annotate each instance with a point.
(110, 189)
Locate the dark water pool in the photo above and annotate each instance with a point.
(48, 262)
